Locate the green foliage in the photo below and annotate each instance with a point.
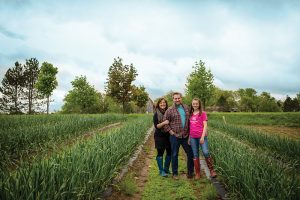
(31, 72)
(140, 96)
(291, 105)
(21, 136)
(270, 119)
(284, 147)
(249, 173)
(200, 83)
(119, 81)
(80, 172)
(18, 91)
(248, 100)
(83, 98)
(12, 90)
(266, 103)
(47, 82)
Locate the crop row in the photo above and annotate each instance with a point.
(250, 175)
(82, 172)
(287, 148)
(289, 119)
(19, 140)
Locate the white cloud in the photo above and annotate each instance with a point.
(242, 47)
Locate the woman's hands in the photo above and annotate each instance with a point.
(166, 122)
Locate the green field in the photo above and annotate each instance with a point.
(254, 164)
(67, 157)
(78, 171)
(276, 119)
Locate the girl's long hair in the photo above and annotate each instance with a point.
(200, 106)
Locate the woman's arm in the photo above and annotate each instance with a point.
(159, 125)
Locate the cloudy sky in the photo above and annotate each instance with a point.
(252, 43)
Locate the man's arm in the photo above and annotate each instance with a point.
(167, 127)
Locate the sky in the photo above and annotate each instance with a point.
(245, 44)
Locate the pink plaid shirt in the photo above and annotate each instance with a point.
(175, 122)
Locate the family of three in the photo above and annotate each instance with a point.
(181, 125)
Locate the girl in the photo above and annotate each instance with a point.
(161, 138)
(198, 136)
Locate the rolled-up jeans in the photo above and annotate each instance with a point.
(175, 144)
(195, 144)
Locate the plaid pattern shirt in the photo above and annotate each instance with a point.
(175, 124)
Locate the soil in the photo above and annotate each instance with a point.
(140, 169)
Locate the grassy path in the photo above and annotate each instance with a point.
(143, 181)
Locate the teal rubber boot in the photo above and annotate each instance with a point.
(160, 166)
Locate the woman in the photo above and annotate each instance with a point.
(198, 137)
(161, 138)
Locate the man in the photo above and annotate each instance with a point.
(178, 117)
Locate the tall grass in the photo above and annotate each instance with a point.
(20, 136)
(250, 175)
(81, 172)
(285, 147)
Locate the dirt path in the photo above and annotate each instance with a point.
(140, 170)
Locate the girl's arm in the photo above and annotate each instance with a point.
(204, 132)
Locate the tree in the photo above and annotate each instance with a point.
(119, 82)
(224, 99)
(140, 96)
(47, 82)
(266, 103)
(248, 99)
(83, 98)
(296, 106)
(12, 90)
(288, 104)
(31, 73)
(200, 83)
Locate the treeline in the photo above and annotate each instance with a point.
(200, 84)
(121, 95)
(27, 88)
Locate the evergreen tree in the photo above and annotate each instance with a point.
(12, 90)
(31, 93)
(295, 104)
(288, 104)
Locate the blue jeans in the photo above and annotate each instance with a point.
(195, 143)
(175, 144)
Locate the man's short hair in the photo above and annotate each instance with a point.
(177, 93)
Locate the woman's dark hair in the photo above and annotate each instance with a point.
(200, 106)
(160, 100)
